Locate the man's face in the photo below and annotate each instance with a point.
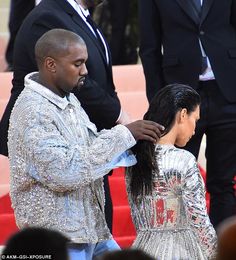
(71, 69)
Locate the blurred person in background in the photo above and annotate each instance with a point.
(194, 42)
(19, 9)
(128, 253)
(227, 239)
(35, 242)
(118, 20)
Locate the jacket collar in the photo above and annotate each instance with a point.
(205, 8)
(31, 82)
(189, 10)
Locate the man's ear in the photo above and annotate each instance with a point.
(50, 64)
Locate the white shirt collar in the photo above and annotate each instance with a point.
(79, 9)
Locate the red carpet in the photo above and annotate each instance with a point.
(7, 219)
(123, 229)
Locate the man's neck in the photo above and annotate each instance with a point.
(82, 4)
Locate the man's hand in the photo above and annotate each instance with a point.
(146, 130)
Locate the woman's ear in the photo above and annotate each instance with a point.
(50, 64)
(183, 115)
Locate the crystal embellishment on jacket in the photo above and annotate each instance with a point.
(58, 160)
(172, 223)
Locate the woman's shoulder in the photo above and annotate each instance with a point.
(184, 153)
(171, 157)
(174, 151)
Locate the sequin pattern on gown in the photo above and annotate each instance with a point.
(172, 223)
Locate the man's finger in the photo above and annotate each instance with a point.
(150, 133)
(152, 123)
(154, 127)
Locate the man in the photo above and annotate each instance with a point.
(194, 42)
(57, 157)
(98, 97)
(18, 12)
(227, 239)
(124, 33)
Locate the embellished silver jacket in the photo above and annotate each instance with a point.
(172, 223)
(57, 163)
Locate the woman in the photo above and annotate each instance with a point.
(165, 188)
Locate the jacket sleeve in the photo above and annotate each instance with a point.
(64, 165)
(150, 46)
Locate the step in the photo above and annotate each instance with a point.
(129, 78)
(125, 242)
(134, 102)
(6, 85)
(5, 204)
(4, 170)
(8, 227)
(4, 190)
(118, 190)
(119, 172)
(122, 222)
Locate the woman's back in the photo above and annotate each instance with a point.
(172, 222)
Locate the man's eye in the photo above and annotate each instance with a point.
(78, 64)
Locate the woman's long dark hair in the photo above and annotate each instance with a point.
(163, 109)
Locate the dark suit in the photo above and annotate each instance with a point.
(119, 18)
(98, 96)
(18, 11)
(170, 52)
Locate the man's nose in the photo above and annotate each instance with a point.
(83, 70)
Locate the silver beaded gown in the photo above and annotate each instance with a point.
(172, 223)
